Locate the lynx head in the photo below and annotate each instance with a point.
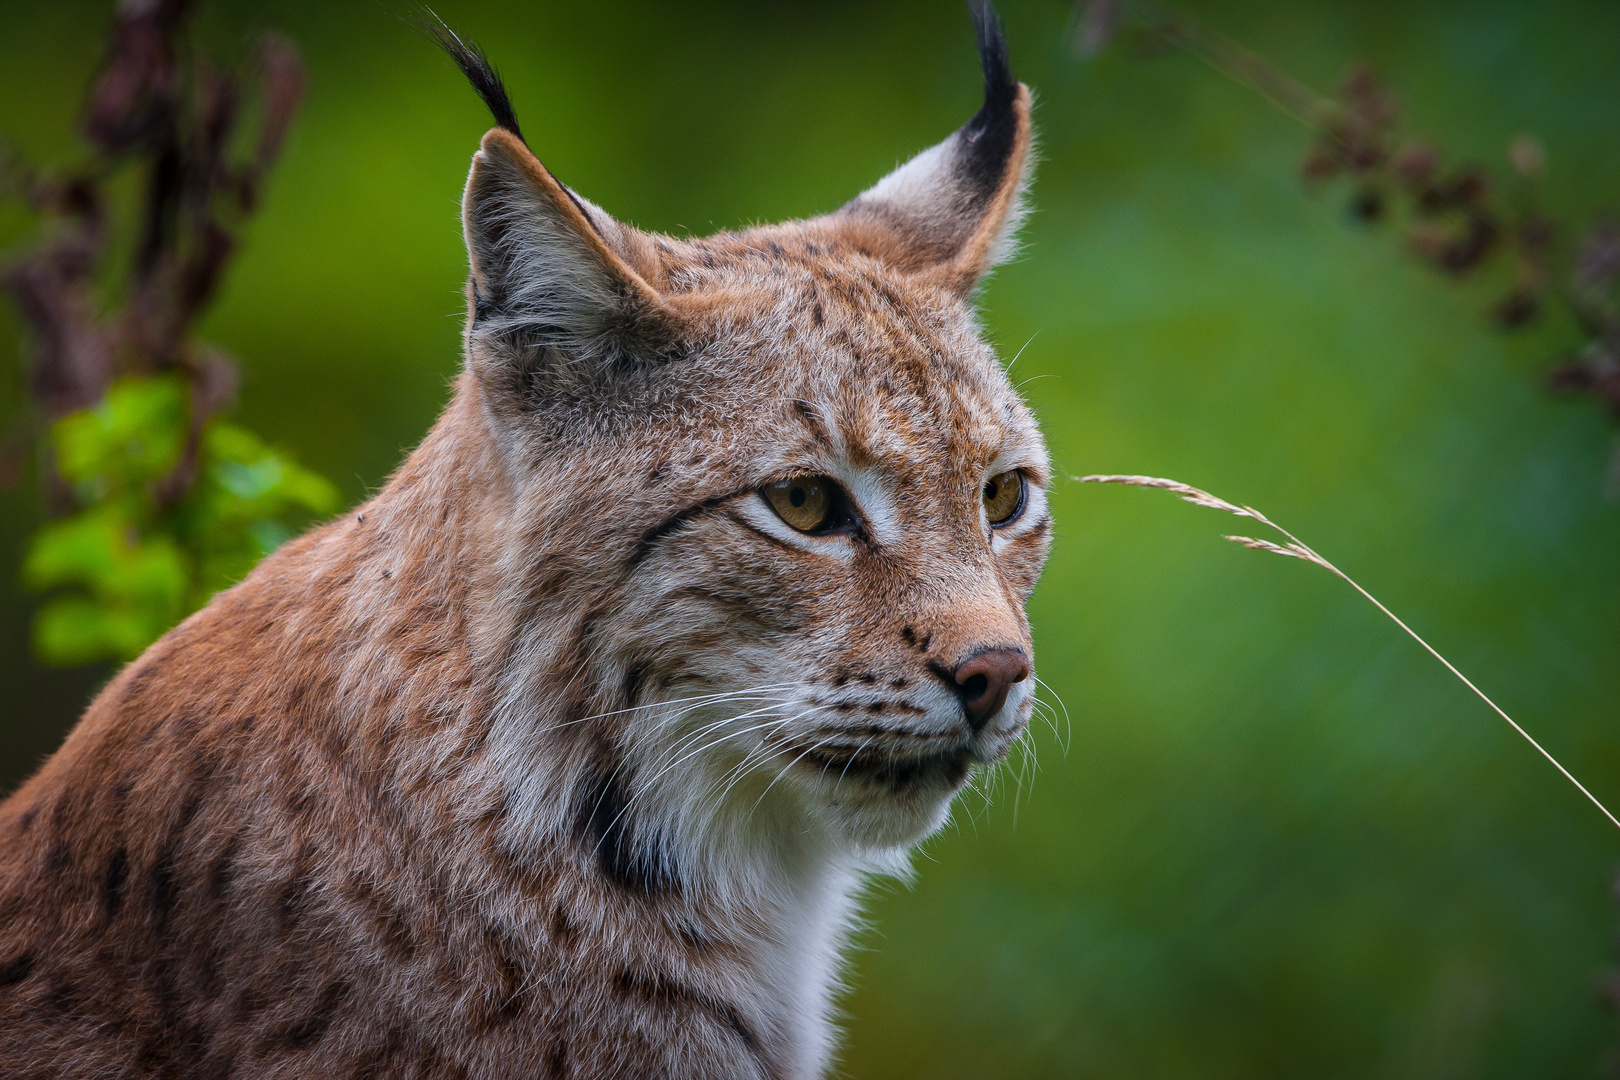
(774, 507)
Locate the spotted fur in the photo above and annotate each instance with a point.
(564, 755)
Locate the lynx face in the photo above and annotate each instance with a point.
(848, 565)
(809, 503)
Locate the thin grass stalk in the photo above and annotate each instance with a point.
(1298, 549)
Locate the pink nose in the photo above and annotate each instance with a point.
(983, 679)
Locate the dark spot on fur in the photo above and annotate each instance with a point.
(57, 857)
(602, 820)
(885, 292)
(818, 315)
(313, 1024)
(290, 901)
(734, 1021)
(62, 811)
(634, 678)
(222, 870)
(563, 931)
(248, 1002)
(662, 991)
(217, 1066)
(163, 890)
(699, 942)
(509, 998)
(62, 998)
(881, 767)
(558, 1065)
(386, 921)
(112, 890)
(813, 421)
(137, 683)
(25, 820)
(898, 684)
(915, 640)
(208, 974)
(16, 969)
(738, 604)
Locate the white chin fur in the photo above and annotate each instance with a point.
(892, 823)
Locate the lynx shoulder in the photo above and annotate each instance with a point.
(567, 754)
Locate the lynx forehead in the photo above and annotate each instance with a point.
(567, 754)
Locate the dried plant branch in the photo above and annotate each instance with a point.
(155, 499)
(1298, 549)
(1454, 218)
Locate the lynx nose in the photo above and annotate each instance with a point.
(983, 679)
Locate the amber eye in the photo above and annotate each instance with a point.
(804, 502)
(1004, 497)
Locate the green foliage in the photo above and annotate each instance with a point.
(132, 562)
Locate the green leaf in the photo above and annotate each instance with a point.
(309, 490)
(101, 552)
(130, 568)
(249, 482)
(253, 473)
(134, 436)
(80, 550)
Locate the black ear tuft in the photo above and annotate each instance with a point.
(953, 209)
(999, 85)
(991, 133)
(473, 62)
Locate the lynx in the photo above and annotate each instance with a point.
(569, 752)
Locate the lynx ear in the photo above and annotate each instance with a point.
(549, 268)
(953, 210)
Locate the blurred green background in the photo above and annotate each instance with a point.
(1282, 841)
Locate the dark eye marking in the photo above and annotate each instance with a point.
(1040, 528)
(843, 517)
(674, 523)
(762, 534)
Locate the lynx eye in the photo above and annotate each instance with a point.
(805, 502)
(1004, 498)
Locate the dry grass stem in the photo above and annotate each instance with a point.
(1297, 549)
